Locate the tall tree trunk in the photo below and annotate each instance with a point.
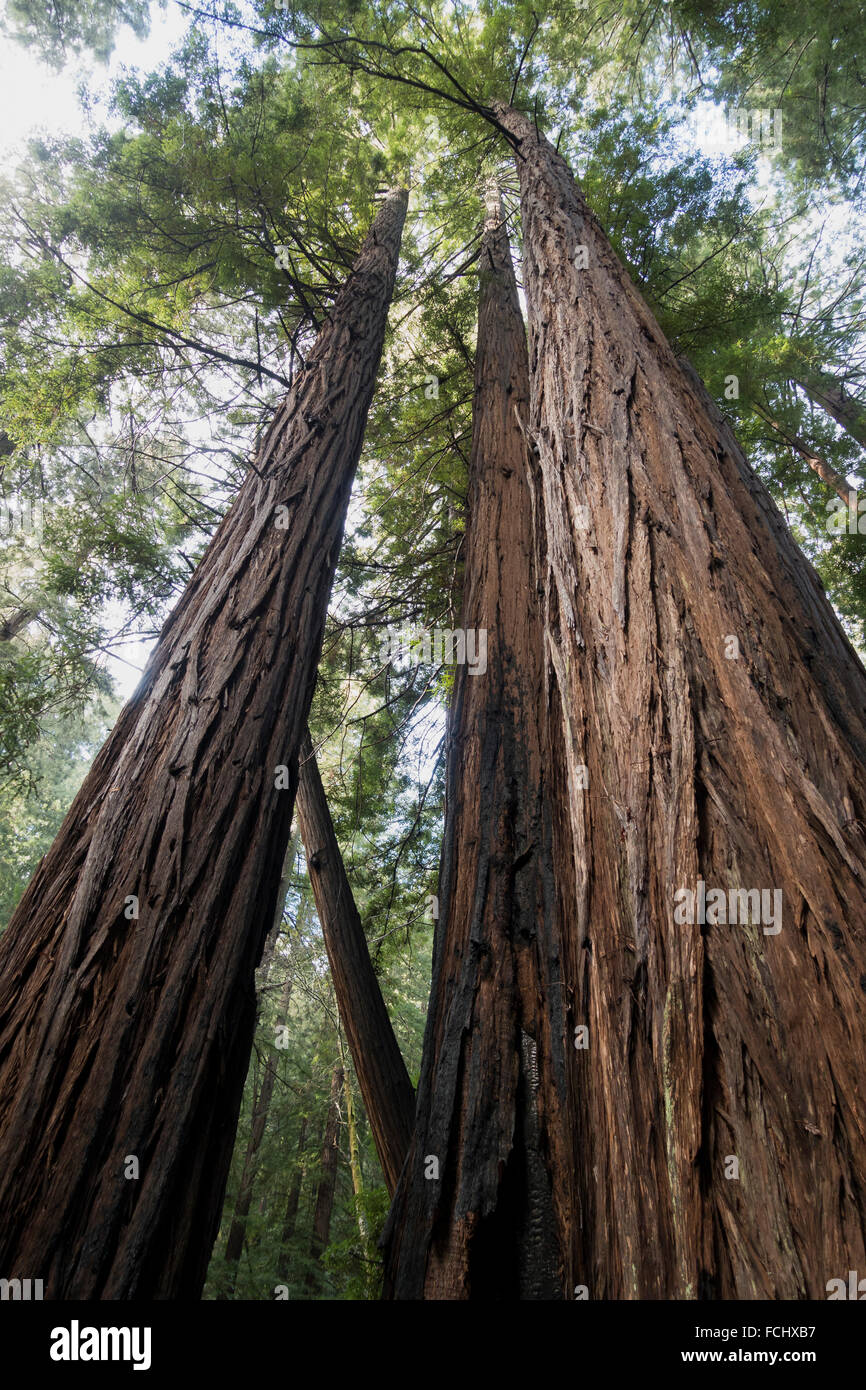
(473, 1215)
(261, 1109)
(354, 1156)
(712, 1137)
(291, 1214)
(382, 1076)
(367, 1252)
(327, 1176)
(127, 1035)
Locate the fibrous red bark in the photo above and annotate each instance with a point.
(714, 1133)
(700, 1096)
(473, 1215)
(129, 1035)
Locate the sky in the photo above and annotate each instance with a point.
(36, 99)
(33, 97)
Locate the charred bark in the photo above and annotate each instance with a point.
(382, 1076)
(695, 669)
(473, 1215)
(131, 1035)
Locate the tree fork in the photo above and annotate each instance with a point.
(130, 1035)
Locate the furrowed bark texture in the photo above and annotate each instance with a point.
(121, 1036)
(658, 545)
(382, 1076)
(484, 1226)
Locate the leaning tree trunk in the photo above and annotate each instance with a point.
(826, 472)
(473, 1215)
(126, 975)
(382, 1076)
(327, 1177)
(703, 1097)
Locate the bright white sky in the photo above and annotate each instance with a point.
(33, 97)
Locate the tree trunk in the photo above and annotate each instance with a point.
(354, 1158)
(379, 1065)
(327, 1176)
(826, 472)
(261, 1109)
(17, 621)
(130, 1035)
(294, 1197)
(700, 1083)
(474, 1215)
(824, 390)
(697, 669)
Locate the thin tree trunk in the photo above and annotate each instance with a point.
(130, 1035)
(327, 1176)
(382, 1076)
(261, 1109)
(354, 1158)
(291, 1214)
(826, 472)
(696, 668)
(473, 1214)
(17, 621)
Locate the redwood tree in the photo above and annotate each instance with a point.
(700, 1100)
(382, 1076)
(127, 1004)
(474, 1212)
